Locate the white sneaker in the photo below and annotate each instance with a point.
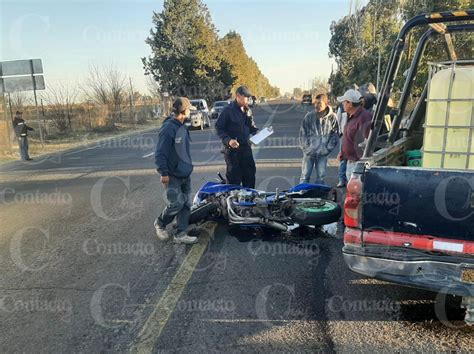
(161, 232)
(184, 238)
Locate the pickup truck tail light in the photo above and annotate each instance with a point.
(352, 204)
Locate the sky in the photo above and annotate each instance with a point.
(288, 39)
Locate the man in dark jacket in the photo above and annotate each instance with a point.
(234, 126)
(21, 132)
(173, 161)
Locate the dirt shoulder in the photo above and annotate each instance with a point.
(70, 141)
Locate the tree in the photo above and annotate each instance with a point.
(59, 102)
(244, 68)
(360, 39)
(106, 87)
(297, 92)
(319, 85)
(186, 59)
(153, 87)
(116, 83)
(18, 101)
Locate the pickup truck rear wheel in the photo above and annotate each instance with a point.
(315, 213)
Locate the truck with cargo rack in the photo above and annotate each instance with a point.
(409, 206)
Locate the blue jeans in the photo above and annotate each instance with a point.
(23, 145)
(350, 169)
(342, 166)
(342, 171)
(178, 195)
(317, 162)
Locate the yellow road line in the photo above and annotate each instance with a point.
(151, 331)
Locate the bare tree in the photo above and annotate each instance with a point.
(106, 87)
(18, 101)
(154, 88)
(320, 85)
(59, 100)
(96, 86)
(116, 83)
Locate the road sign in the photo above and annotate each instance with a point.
(22, 75)
(21, 67)
(21, 83)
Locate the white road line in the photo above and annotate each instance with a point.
(79, 151)
(148, 155)
(218, 149)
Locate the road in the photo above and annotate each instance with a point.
(82, 270)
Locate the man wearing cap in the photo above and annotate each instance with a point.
(356, 130)
(173, 162)
(234, 126)
(21, 132)
(342, 120)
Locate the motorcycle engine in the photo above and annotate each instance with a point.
(245, 197)
(244, 203)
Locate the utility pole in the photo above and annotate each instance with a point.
(379, 63)
(132, 111)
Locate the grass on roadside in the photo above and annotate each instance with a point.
(59, 142)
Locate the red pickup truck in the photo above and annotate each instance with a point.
(414, 225)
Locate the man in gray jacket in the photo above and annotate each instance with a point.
(319, 136)
(173, 162)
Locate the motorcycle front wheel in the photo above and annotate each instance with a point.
(202, 212)
(315, 213)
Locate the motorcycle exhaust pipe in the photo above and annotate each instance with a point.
(235, 219)
(277, 225)
(273, 224)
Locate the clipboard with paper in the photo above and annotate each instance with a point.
(261, 135)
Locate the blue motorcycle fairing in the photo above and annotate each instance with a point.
(245, 204)
(216, 187)
(309, 186)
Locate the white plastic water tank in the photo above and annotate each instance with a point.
(450, 131)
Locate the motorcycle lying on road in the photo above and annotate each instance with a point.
(304, 204)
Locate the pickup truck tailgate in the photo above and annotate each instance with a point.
(419, 201)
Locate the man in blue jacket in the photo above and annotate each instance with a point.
(234, 126)
(173, 161)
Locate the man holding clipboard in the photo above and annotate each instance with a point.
(234, 126)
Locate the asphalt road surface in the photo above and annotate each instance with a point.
(82, 269)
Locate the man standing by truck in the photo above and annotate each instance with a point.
(356, 130)
(173, 161)
(319, 136)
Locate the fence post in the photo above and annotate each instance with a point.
(6, 127)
